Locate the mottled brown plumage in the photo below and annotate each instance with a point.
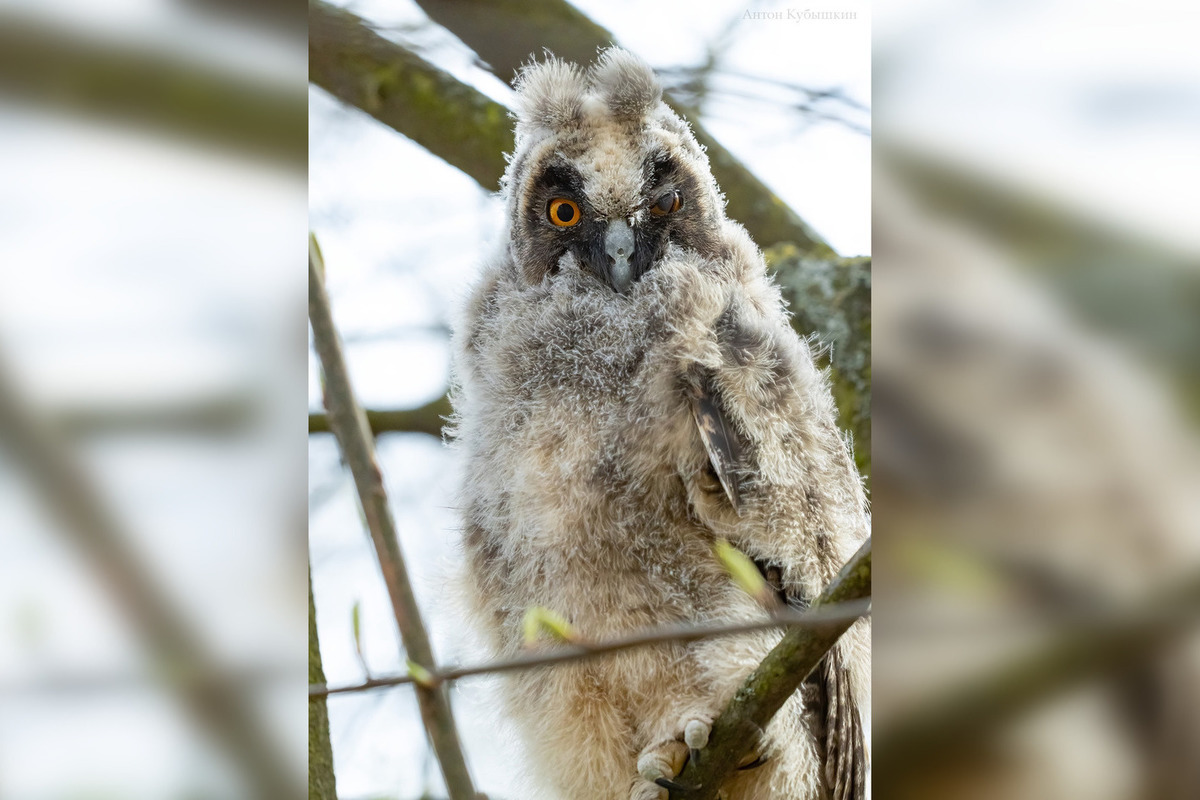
(628, 390)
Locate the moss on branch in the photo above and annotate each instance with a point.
(348, 59)
(736, 732)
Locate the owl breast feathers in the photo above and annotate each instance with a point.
(627, 391)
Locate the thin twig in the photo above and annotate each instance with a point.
(736, 732)
(428, 418)
(841, 612)
(349, 425)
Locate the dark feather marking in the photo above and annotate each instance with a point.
(845, 751)
(838, 729)
(720, 440)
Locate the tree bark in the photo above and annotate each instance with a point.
(321, 782)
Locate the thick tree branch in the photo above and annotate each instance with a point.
(736, 732)
(841, 612)
(151, 86)
(830, 298)
(349, 424)
(449, 119)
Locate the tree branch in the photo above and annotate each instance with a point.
(831, 299)
(837, 613)
(506, 33)
(352, 62)
(736, 731)
(322, 784)
(349, 424)
(462, 126)
(429, 419)
(151, 86)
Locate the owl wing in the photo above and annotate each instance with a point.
(841, 734)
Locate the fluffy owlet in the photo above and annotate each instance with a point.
(628, 391)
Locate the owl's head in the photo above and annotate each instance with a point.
(604, 175)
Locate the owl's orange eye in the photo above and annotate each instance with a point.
(563, 212)
(667, 204)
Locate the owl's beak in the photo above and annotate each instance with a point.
(618, 246)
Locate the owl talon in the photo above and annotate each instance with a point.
(662, 762)
(672, 785)
(758, 761)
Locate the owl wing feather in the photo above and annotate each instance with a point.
(720, 440)
(842, 736)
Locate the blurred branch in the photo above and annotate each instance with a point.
(833, 614)
(255, 678)
(1113, 277)
(459, 124)
(151, 86)
(213, 697)
(737, 731)
(349, 424)
(1108, 644)
(426, 419)
(322, 784)
(218, 412)
(348, 59)
(287, 16)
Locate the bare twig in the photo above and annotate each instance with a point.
(426, 419)
(215, 698)
(832, 614)
(735, 732)
(349, 424)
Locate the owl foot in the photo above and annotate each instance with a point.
(695, 733)
(657, 765)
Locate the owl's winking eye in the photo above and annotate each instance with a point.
(667, 204)
(563, 212)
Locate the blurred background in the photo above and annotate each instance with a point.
(152, 400)
(1037, 321)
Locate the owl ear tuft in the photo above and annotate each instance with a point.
(626, 84)
(550, 93)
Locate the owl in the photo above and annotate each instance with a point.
(628, 392)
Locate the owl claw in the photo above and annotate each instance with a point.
(758, 761)
(673, 786)
(662, 762)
